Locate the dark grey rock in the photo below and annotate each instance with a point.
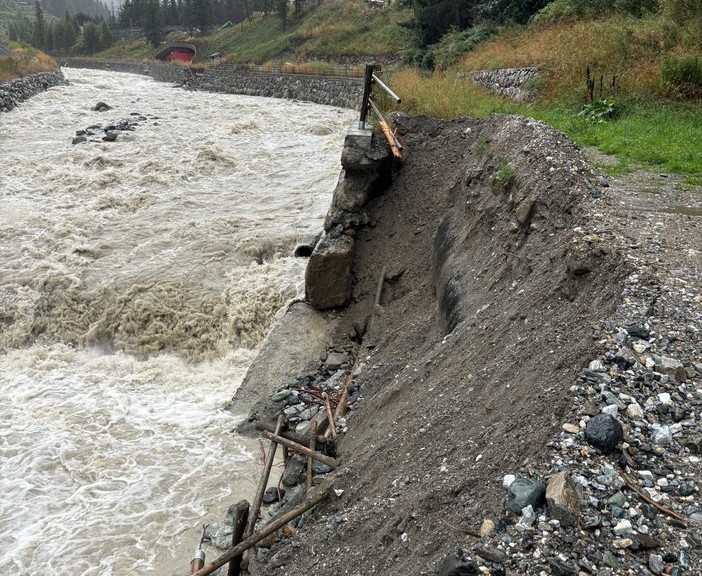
(604, 432)
(560, 568)
(328, 274)
(453, 566)
(525, 492)
(294, 470)
(490, 553)
(101, 107)
(273, 494)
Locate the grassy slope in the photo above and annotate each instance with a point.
(652, 127)
(332, 30)
(24, 62)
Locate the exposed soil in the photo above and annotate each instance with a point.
(508, 260)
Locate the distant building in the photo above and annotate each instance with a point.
(82, 18)
(175, 51)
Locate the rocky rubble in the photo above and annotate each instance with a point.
(110, 132)
(540, 419)
(632, 447)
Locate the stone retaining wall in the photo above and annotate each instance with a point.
(231, 79)
(343, 92)
(14, 92)
(160, 72)
(514, 83)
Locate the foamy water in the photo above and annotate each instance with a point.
(136, 280)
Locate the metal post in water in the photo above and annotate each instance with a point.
(198, 560)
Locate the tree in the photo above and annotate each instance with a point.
(187, 17)
(507, 11)
(106, 38)
(432, 18)
(202, 14)
(153, 23)
(281, 8)
(91, 38)
(70, 36)
(49, 41)
(682, 11)
(39, 35)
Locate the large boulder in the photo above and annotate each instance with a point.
(328, 274)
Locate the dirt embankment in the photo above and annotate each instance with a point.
(496, 296)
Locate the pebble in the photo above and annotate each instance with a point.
(571, 428)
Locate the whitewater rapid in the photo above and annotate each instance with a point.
(137, 279)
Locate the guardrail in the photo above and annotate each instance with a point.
(367, 105)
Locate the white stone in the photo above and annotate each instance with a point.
(612, 410)
(661, 435)
(596, 366)
(634, 411)
(508, 479)
(621, 543)
(645, 474)
(624, 527)
(665, 398)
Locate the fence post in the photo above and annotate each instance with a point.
(366, 95)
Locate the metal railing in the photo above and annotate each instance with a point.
(367, 105)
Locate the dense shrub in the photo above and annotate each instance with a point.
(570, 9)
(509, 11)
(683, 76)
(682, 11)
(456, 44)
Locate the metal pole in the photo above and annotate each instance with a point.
(387, 90)
(366, 95)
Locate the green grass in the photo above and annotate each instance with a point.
(664, 136)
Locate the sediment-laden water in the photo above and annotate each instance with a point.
(137, 278)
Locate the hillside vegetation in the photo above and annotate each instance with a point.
(24, 62)
(644, 60)
(330, 31)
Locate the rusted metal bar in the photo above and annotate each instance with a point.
(266, 531)
(330, 415)
(302, 449)
(394, 142)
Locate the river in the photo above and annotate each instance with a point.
(137, 279)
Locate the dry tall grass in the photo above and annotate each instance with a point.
(625, 47)
(22, 63)
(444, 95)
